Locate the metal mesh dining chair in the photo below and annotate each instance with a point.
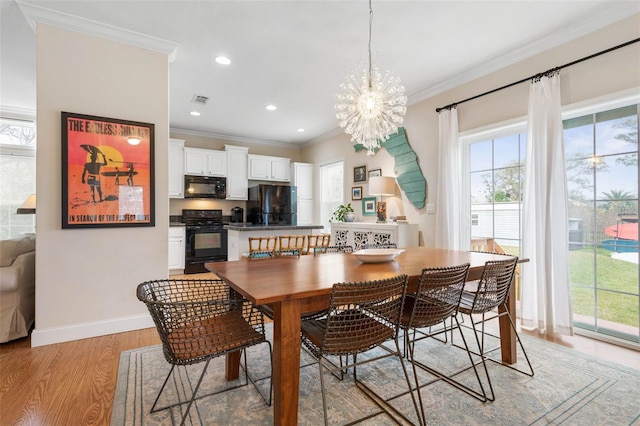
(362, 316)
(198, 320)
(436, 299)
(489, 301)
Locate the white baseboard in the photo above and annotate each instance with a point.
(48, 336)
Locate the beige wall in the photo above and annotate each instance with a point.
(194, 140)
(86, 278)
(610, 73)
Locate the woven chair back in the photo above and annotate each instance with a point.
(438, 295)
(291, 245)
(199, 319)
(363, 315)
(262, 247)
(494, 285)
(318, 243)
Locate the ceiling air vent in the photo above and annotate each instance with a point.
(197, 99)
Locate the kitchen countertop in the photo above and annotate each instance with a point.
(249, 227)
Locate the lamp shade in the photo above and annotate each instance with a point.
(28, 206)
(382, 185)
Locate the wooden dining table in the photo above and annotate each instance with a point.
(292, 286)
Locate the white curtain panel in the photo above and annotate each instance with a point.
(546, 295)
(452, 231)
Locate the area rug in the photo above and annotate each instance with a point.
(568, 388)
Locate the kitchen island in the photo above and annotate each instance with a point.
(238, 235)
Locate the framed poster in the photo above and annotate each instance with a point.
(356, 193)
(375, 172)
(360, 174)
(369, 206)
(107, 172)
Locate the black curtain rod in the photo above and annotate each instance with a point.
(552, 70)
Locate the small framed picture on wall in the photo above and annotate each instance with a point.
(369, 206)
(356, 193)
(360, 174)
(375, 172)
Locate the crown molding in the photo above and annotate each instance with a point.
(324, 137)
(35, 14)
(607, 16)
(289, 145)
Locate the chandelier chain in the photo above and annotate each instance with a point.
(370, 26)
(372, 104)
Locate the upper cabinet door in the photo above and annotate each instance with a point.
(281, 169)
(195, 162)
(259, 167)
(217, 163)
(176, 168)
(264, 167)
(205, 162)
(302, 178)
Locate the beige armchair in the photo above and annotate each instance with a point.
(17, 286)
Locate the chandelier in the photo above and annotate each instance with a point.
(372, 104)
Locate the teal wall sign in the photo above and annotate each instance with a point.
(406, 168)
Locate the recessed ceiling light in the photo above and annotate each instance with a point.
(223, 60)
(195, 113)
(271, 107)
(301, 130)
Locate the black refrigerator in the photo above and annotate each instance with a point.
(272, 205)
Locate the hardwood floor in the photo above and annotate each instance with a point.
(73, 383)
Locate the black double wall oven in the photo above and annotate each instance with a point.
(206, 239)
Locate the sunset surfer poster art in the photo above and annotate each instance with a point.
(107, 172)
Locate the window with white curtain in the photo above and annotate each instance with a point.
(601, 155)
(331, 191)
(495, 161)
(17, 175)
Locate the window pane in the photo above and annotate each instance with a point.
(618, 312)
(17, 175)
(480, 156)
(481, 187)
(617, 135)
(618, 177)
(506, 151)
(578, 141)
(331, 191)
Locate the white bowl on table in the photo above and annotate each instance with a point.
(377, 255)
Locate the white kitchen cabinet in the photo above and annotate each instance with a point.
(357, 234)
(177, 242)
(263, 167)
(302, 179)
(237, 181)
(176, 168)
(305, 212)
(205, 162)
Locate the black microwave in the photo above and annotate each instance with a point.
(205, 187)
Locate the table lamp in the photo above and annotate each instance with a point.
(28, 206)
(382, 185)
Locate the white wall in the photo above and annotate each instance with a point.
(86, 278)
(613, 72)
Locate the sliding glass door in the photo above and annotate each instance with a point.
(601, 153)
